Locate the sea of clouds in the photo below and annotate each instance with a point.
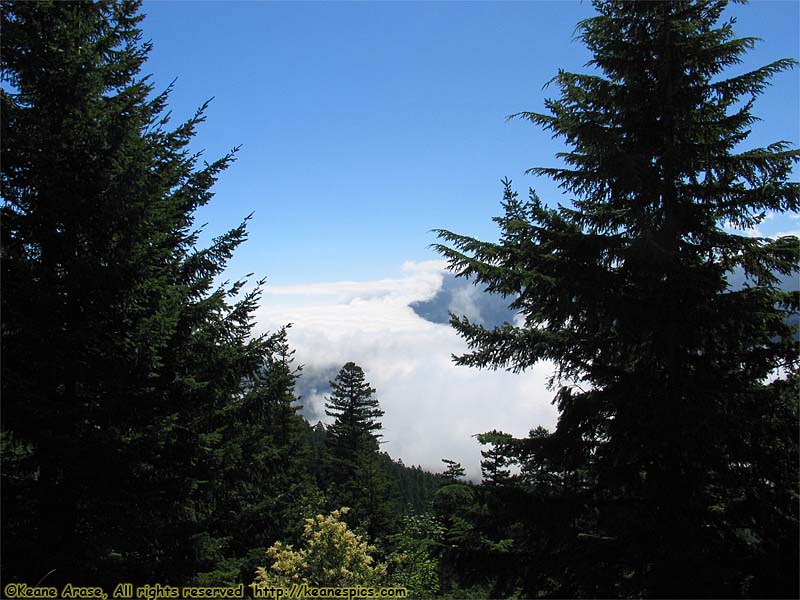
(397, 331)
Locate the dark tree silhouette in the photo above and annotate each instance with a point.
(680, 437)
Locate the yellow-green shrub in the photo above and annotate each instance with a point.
(332, 556)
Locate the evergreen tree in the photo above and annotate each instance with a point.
(677, 437)
(355, 411)
(358, 479)
(454, 471)
(121, 356)
(267, 485)
(290, 489)
(496, 460)
(319, 450)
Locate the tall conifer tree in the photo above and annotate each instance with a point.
(265, 487)
(358, 477)
(120, 355)
(454, 471)
(496, 461)
(356, 410)
(677, 392)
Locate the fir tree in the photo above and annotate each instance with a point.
(496, 460)
(121, 356)
(355, 411)
(454, 471)
(358, 479)
(266, 486)
(677, 393)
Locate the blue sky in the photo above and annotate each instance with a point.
(365, 125)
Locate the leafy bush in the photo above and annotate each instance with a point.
(333, 556)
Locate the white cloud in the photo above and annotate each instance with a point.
(432, 406)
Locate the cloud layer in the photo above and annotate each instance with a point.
(433, 408)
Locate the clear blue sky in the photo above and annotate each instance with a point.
(365, 125)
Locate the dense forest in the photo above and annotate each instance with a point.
(150, 436)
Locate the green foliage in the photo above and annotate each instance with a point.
(671, 385)
(358, 475)
(331, 556)
(123, 359)
(149, 436)
(414, 562)
(453, 472)
(413, 486)
(494, 465)
(266, 486)
(356, 412)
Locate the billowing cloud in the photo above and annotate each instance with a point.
(433, 408)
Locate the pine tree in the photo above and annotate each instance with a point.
(358, 479)
(356, 412)
(677, 393)
(266, 486)
(121, 356)
(454, 471)
(496, 460)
